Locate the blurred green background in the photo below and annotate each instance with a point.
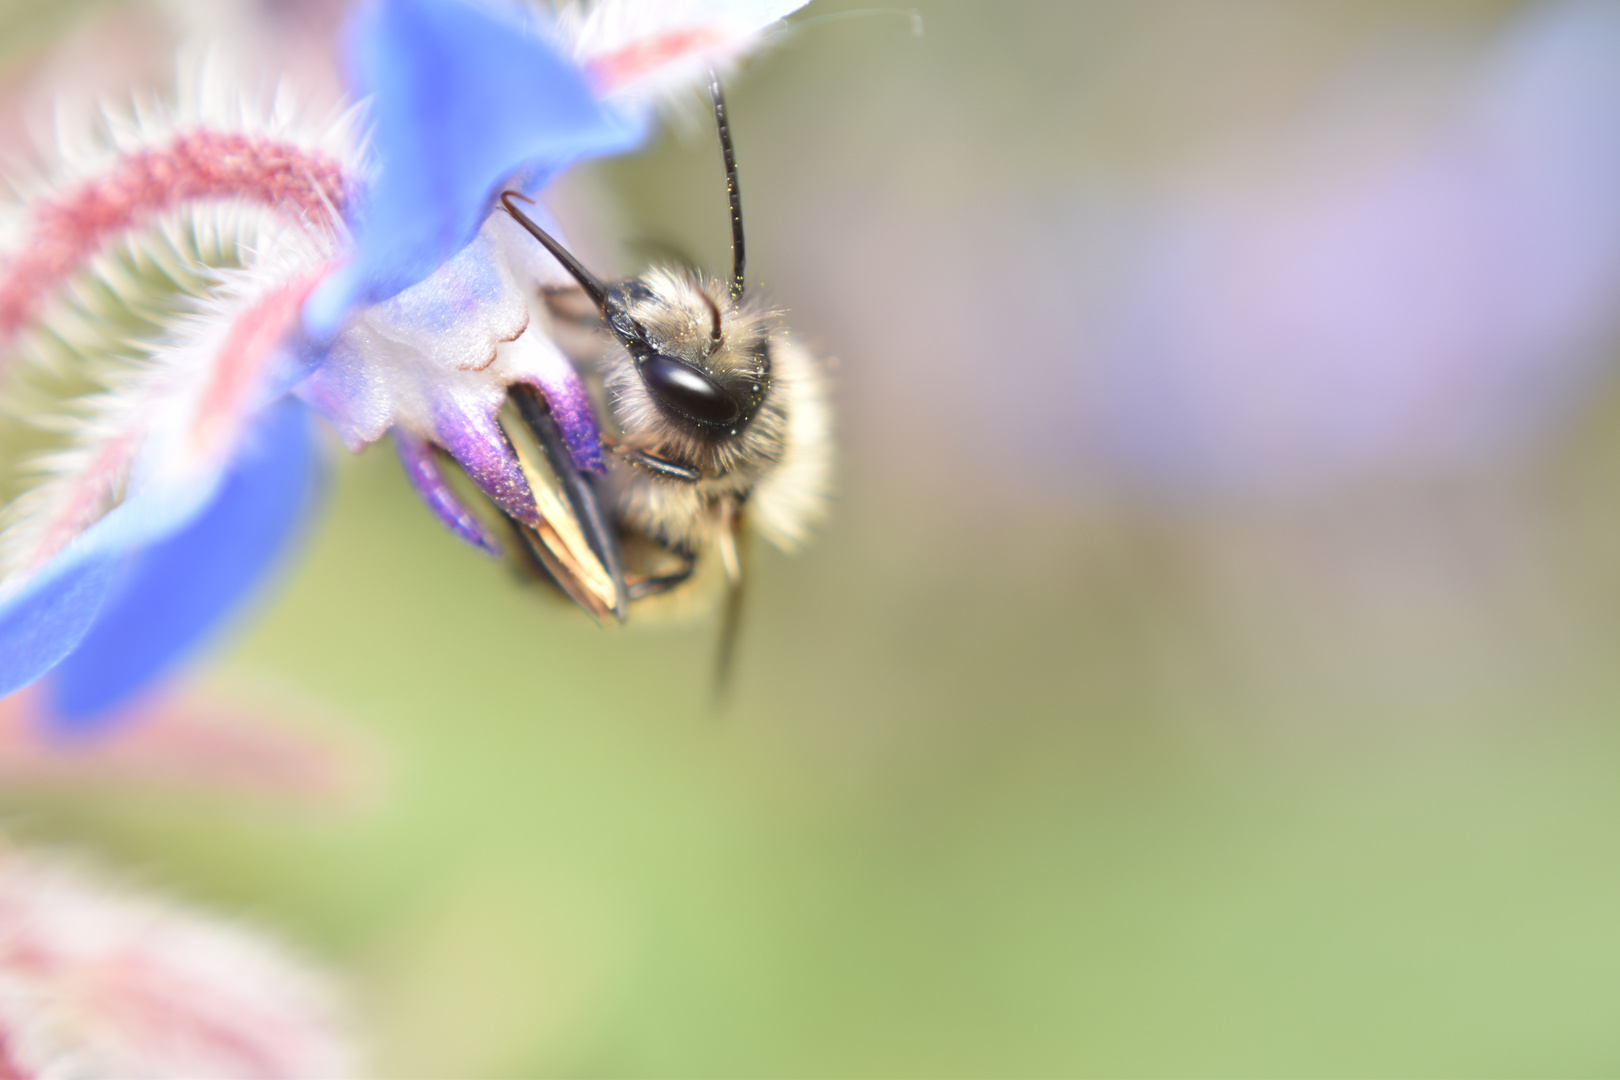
(1023, 774)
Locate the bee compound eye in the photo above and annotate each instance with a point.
(687, 390)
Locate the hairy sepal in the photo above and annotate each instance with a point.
(650, 51)
(168, 424)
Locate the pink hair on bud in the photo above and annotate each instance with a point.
(198, 165)
(87, 499)
(239, 742)
(254, 341)
(102, 980)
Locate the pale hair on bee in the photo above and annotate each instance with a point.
(720, 422)
(770, 452)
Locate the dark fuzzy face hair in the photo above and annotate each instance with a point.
(694, 371)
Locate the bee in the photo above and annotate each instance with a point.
(719, 424)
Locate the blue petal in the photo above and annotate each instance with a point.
(461, 100)
(176, 591)
(45, 622)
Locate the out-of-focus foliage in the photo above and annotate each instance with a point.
(1027, 769)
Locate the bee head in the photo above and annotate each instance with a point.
(704, 358)
(702, 354)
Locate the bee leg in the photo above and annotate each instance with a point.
(669, 470)
(731, 556)
(640, 588)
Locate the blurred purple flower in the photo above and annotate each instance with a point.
(377, 286)
(1438, 306)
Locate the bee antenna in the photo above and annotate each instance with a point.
(739, 256)
(586, 279)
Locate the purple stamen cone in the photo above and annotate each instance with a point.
(480, 448)
(422, 469)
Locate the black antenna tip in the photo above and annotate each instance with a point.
(739, 257)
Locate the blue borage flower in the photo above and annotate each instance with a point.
(378, 289)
